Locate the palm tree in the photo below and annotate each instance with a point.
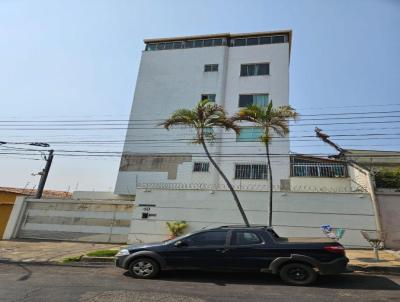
(271, 120)
(203, 118)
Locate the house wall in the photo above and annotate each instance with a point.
(320, 184)
(75, 220)
(172, 79)
(295, 214)
(7, 200)
(389, 205)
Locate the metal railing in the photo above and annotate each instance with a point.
(318, 170)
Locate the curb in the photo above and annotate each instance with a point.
(375, 269)
(97, 259)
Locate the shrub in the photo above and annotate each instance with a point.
(388, 178)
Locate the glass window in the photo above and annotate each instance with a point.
(249, 171)
(254, 69)
(151, 47)
(201, 167)
(249, 134)
(168, 45)
(278, 39)
(209, 97)
(217, 42)
(178, 45)
(198, 43)
(239, 42)
(265, 40)
(189, 44)
(208, 43)
(211, 67)
(245, 238)
(252, 41)
(211, 238)
(161, 46)
(253, 99)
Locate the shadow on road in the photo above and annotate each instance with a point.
(344, 281)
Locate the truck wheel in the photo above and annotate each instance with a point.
(144, 268)
(298, 274)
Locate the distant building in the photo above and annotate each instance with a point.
(233, 70)
(373, 160)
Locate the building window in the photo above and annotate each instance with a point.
(247, 70)
(249, 134)
(318, 170)
(259, 40)
(253, 99)
(201, 167)
(249, 171)
(209, 97)
(210, 67)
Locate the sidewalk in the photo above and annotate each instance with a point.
(46, 251)
(364, 260)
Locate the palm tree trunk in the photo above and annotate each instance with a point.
(270, 184)
(235, 197)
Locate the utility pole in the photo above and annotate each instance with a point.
(44, 175)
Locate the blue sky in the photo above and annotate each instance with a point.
(70, 59)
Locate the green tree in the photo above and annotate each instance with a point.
(271, 120)
(203, 118)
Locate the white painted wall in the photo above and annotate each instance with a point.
(174, 79)
(66, 219)
(295, 214)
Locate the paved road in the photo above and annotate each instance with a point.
(33, 282)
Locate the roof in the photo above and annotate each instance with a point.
(222, 35)
(372, 152)
(31, 192)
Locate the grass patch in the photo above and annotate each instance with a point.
(103, 253)
(72, 259)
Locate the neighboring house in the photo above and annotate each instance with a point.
(9, 195)
(373, 160)
(233, 70)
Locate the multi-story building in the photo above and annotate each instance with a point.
(233, 70)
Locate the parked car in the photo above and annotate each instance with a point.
(237, 248)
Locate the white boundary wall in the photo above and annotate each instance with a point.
(68, 219)
(295, 214)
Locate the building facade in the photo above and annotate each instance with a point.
(232, 70)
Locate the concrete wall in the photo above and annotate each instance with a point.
(172, 79)
(389, 206)
(320, 184)
(75, 220)
(295, 214)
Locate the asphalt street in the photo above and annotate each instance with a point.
(42, 282)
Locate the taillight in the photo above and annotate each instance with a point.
(338, 249)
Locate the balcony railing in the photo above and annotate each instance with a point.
(318, 170)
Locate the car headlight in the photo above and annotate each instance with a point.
(123, 252)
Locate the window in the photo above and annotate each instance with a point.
(198, 43)
(169, 45)
(151, 46)
(201, 167)
(239, 42)
(217, 42)
(245, 238)
(265, 40)
(208, 238)
(249, 171)
(278, 39)
(254, 69)
(249, 134)
(253, 99)
(252, 41)
(210, 67)
(209, 97)
(178, 45)
(189, 44)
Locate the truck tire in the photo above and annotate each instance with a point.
(298, 273)
(144, 268)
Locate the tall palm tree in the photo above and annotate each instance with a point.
(271, 120)
(203, 118)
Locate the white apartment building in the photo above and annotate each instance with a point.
(233, 70)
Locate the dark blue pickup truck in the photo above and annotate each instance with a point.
(237, 248)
